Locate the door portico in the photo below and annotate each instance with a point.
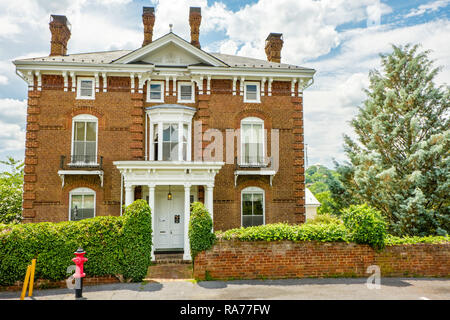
(170, 218)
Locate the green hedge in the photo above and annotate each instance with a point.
(394, 240)
(113, 245)
(201, 236)
(283, 231)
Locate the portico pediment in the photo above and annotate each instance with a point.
(170, 50)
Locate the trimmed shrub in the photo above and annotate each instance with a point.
(283, 231)
(201, 236)
(365, 225)
(137, 240)
(394, 240)
(113, 245)
(325, 218)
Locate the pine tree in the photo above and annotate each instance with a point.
(400, 161)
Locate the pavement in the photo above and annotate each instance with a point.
(286, 289)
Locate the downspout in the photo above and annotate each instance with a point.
(121, 192)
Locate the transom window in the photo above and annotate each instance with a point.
(84, 141)
(186, 92)
(85, 88)
(252, 200)
(252, 142)
(155, 91)
(252, 92)
(82, 204)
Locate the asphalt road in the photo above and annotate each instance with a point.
(295, 289)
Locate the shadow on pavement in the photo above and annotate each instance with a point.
(389, 282)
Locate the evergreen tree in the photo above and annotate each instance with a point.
(400, 161)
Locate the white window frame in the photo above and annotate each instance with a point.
(253, 190)
(83, 192)
(252, 121)
(258, 91)
(84, 118)
(79, 96)
(162, 91)
(184, 83)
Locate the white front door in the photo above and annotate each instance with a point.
(169, 215)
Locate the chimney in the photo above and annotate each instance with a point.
(148, 18)
(274, 44)
(195, 18)
(60, 29)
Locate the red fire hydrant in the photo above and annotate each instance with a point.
(79, 274)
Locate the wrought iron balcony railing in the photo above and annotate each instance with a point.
(82, 161)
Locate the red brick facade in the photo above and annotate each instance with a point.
(121, 136)
(235, 259)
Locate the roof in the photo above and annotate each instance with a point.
(310, 200)
(107, 57)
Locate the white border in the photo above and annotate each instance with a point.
(185, 83)
(251, 121)
(252, 190)
(79, 96)
(84, 118)
(82, 191)
(149, 83)
(258, 91)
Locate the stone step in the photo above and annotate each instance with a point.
(169, 258)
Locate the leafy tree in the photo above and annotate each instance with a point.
(319, 179)
(11, 188)
(399, 163)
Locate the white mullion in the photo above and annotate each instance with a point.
(180, 141)
(160, 141)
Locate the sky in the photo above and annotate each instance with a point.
(341, 39)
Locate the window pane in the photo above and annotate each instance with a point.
(247, 221)
(185, 132)
(77, 201)
(78, 149)
(166, 132)
(173, 151)
(155, 91)
(155, 141)
(91, 131)
(257, 220)
(174, 132)
(246, 204)
(86, 88)
(185, 92)
(166, 151)
(258, 204)
(79, 131)
(251, 92)
(88, 202)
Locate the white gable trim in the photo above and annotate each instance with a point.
(170, 38)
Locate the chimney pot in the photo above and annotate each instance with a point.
(148, 18)
(274, 44)
(60, 30)
(195, 19)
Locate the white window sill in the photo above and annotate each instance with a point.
(85, 98)
(252, 101)
(155, 101)
(186, 101)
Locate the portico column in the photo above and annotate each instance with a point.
(209, 201)
(129, 194)
(187, 216)
(151, 203)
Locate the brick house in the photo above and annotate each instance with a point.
(168, 123)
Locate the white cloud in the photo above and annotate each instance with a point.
(427, 8)
(12, 122)
(3, 80)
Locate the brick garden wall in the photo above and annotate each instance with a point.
(234, 259)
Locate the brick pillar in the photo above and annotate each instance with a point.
(31, 159)
(299, 161)
(195, 18)
(137, 127)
